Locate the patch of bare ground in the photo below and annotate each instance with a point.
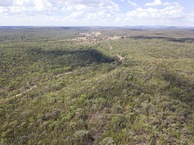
(94, 37)
(120, 57)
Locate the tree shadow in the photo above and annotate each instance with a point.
(82, 57)
(180, 88)
(39, 60)
(188, 40)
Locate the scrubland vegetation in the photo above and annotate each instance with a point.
(54, 90)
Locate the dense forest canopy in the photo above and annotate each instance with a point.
(96, 86)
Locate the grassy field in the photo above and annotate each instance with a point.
(133, 89)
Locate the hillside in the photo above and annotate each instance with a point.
(96, 86)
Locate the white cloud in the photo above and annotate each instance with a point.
(14, 7)
(154, 3)
(87, 5)
(132, 3)
(84, 11)
(153, 16)
(172, 11)
(28, 7)
(23, 3)
(91, 12)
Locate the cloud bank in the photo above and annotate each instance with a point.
(92, 13)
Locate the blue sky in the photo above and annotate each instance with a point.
(96, 12)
